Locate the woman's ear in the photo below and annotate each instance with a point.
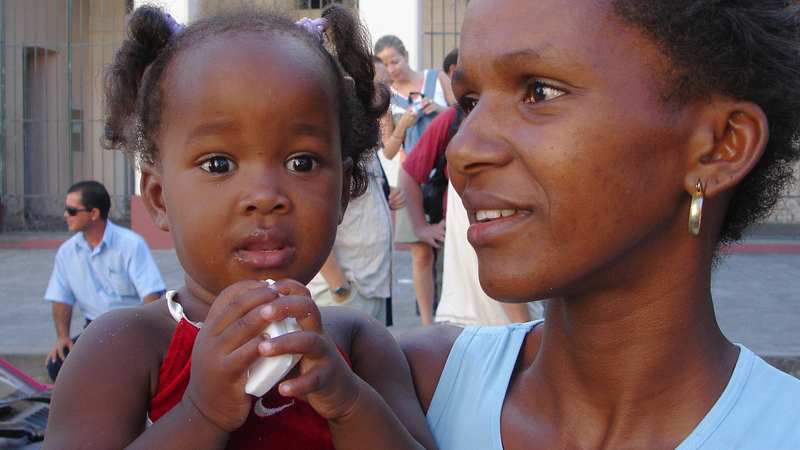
(729, 147)
(153, 195)
(347, 175)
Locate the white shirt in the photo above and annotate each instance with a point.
(363, 246)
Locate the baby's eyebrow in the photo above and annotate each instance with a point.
(308, 129)
(209, 129)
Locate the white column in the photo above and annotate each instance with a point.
(402, 18)
(184, 11)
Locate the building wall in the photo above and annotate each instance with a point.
(441, 29)
(53, 56)
(54, 52)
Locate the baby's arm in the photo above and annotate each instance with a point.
(372, 406)
(386, 411)
(102, 393)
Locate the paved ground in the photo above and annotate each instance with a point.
(757, 296)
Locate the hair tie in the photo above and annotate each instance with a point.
(316, 27)
(174, 27)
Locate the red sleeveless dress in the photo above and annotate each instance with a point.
(274, 421)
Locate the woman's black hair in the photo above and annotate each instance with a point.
(133, 82)
(742, 49)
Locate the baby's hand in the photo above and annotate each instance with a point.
(325, 381)
(226, 346)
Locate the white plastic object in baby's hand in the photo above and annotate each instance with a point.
(267, 371)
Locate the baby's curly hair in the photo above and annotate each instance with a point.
(745, 50)
(133, 82)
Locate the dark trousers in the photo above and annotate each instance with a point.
(53, 367)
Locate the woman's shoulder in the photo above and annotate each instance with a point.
(426, 349)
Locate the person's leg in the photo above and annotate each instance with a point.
(376, 307)
(422, 271)
(438, 275)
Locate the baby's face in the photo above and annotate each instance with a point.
(250, 160)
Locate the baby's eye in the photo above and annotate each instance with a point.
(218, 164)
(467, 104)
(540, 92)
(301, 163)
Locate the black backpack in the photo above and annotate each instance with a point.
(433, 191)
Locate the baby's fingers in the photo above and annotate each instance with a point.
(231, 292)
(310, 345)
(291, 287)
(239, 360)
(234, 310)
(301, 307)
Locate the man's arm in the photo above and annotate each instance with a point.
(431, 234)
(332, 272)
(144, 274)
(62, 316)
(151, 298)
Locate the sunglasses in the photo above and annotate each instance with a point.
(72, 211)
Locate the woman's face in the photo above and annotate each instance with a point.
(396, 64)
(569, 164)
(250, 160)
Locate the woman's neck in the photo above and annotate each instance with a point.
(414, 82)
(643, 363)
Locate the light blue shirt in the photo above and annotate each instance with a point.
(759, 408)
(118, 273)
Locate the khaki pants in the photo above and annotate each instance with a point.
(376, 306)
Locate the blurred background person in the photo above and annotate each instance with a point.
(102, 267)
(462, 302)
(358, 271)
(417, 97)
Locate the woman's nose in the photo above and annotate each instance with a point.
(477, 144)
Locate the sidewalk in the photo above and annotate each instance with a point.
(756, 292)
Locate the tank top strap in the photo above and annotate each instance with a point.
(431, 77)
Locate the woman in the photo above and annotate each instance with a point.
(436, 94)
(596, 130)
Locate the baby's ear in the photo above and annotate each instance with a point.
(153, 195)
(347, 176)
(729, 143)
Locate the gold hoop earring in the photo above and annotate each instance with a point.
(696, 208)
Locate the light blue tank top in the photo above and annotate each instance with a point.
(759, 408)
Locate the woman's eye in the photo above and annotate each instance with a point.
(218, 164)
(302, 163)
(467, 104)
(539, 92)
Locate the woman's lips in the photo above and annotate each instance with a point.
(493, 226)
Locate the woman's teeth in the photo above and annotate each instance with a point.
(482, 216)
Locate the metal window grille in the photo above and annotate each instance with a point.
(52, 57)
(441, 29)
(51, 119)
